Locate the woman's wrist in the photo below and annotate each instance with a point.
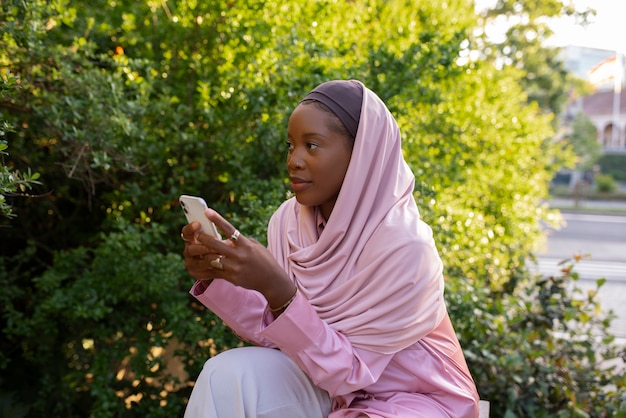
(281, 295)
(284, 306)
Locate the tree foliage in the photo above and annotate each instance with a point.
(524, 45)
(124, 105)
(12, 182)
(584, 143)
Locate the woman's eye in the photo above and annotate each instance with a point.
(311, 145)
(289, 145)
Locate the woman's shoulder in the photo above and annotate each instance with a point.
(286, 209)
(406, 228)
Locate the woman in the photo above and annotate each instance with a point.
(346, 305)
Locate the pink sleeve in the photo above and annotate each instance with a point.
(241, 309)
(325, 355)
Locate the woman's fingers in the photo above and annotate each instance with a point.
(217, 246)
(189, 231)
(196, 250)
(202, 263)
(198, 244)
(222, 224)
(232, 259)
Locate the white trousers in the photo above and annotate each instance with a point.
(255, 382)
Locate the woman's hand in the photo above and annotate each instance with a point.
(197, 256)
(241, 260)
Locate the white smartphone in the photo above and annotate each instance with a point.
(194, 208)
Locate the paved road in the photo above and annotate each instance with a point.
(603, 239)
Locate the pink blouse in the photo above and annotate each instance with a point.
(429, 378)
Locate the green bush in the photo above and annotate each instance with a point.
(13, 183)
(605, 183)
(106, 337)
(544, 350)
(614, 165)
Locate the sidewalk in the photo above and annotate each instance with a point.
(603, 206)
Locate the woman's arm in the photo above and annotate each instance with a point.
(324, 354)
(241, 309)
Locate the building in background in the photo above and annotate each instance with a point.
(607, 110)
(606, 107)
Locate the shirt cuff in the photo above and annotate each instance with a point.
(199, 287)
(295, 329)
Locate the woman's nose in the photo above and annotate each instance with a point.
(294, 161)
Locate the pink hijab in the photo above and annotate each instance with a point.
(374, 274)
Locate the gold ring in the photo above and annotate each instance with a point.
(235, 236)
(217, 263)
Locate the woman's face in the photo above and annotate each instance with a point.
(318, 157)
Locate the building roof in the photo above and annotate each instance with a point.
(601, 103)
(579, 59)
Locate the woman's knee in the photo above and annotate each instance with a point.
(250, 363)
(263, 380)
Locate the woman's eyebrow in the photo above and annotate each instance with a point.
(316, 134)
(308, 135)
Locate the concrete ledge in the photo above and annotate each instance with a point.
(484, 409)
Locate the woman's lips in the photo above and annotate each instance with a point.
(298, 185)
